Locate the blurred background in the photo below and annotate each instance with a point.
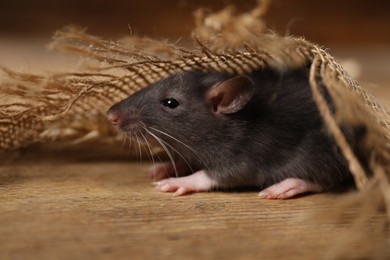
(356, 32)
(332, 21)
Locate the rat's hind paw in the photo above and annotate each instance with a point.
(288, 188)
(198, 181)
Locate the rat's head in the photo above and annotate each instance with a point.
(187, 106)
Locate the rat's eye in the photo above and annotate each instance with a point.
(170, 102)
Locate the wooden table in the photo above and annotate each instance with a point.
(109, 210)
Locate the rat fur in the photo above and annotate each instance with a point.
(259, 130)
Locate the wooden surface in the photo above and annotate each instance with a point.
(109, 210)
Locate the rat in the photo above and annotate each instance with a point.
(259, 130)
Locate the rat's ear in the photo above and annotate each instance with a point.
(231, 95)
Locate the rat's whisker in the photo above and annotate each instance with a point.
(149, 151)
(150, 146)
(175, 150)
(182, 143)
(129, 137)
(140, 144)
(124, 141)
(165, 149)
(136, 148)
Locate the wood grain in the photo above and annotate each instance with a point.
(109, 210)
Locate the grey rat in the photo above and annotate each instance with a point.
(260, 130)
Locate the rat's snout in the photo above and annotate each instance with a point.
(114, 116)
(125, 115)
(124, 118)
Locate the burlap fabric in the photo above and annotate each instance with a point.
(70, 107)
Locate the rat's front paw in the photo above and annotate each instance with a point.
(288, 188)
(196, 182)
(176, 185)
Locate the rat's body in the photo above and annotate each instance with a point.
(260, 130)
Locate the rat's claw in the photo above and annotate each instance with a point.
(162, 186)
(181, 191)
(166, 188)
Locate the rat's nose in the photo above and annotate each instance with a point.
(114, 117)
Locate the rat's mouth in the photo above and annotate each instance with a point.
(131, 124)
(134, 130)
(138, 131)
